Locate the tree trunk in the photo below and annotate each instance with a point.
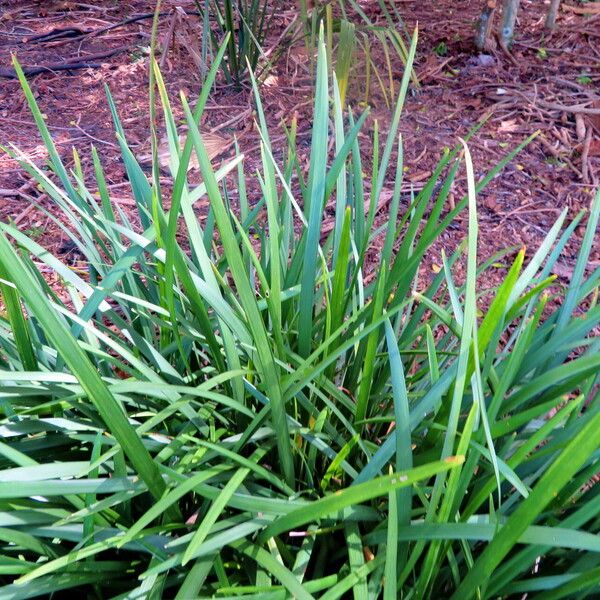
(509, 18)
(484, 27)
(552, 13)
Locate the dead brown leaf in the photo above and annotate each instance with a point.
(509, 126)
(214, 145)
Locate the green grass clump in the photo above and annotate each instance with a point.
(244, 24)
(252, 416)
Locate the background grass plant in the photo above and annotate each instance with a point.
(260, 417)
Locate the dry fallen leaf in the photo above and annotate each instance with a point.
(580, 127)
(508, 126)
(271, 81)
(214, 145)
(491, 203)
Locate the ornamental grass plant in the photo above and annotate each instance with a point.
(255, 414)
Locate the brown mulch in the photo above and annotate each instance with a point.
(547, 84)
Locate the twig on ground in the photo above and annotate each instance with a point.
(574, 109)
(25, 212)
(95, 139)
(559, 156)
(232, 121)
(585, 155)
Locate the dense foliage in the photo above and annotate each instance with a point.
(241, 406)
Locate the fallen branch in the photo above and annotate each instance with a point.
(574, 109)
(57, 34)
(76, 62)
(74, 33)
(582, 109)
(590, 9)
